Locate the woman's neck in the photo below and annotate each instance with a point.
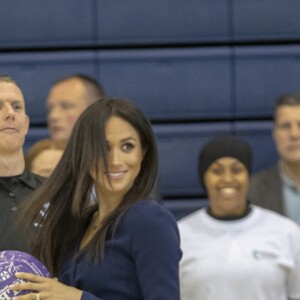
(230, 217)
(107, 203)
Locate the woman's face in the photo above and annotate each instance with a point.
(45, 162)
(227, 182)
(125, 155)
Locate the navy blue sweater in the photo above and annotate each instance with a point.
(141, 262)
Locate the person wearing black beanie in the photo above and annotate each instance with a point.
(227, 193)
(233, 249)
(224, 146)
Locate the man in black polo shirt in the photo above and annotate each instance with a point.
(16, 183)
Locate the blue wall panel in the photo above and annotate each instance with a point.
(161, 21)
(34, 23)
(171, 84)
(259, 135)
(262, 74)
(36, 72)
(178, 147)
(266, 19)
(35, 134)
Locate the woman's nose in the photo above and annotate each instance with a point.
(115, 157)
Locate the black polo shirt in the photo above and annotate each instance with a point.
(13, 190)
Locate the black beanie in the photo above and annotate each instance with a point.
(231, 146)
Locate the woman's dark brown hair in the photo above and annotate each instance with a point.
(68, 190)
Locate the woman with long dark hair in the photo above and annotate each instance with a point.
(126, 246)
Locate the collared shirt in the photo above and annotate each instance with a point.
(13, 190)
(291, 196)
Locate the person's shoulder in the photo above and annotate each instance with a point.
(265, 173)
(264, 179)
(147, 207)
(149, 213)
(265, 189)
(281, 228)
(279, 221)
(192, 220)
(37, 179)
(31, 179)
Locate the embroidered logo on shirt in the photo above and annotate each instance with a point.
(263, 255)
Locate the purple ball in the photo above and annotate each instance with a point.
(17, 261)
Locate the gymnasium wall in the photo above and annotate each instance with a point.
(197, 68)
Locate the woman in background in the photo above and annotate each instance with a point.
(124, 247)
(43, 156)
(232, 249)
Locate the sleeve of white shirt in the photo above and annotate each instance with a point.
(294, 276)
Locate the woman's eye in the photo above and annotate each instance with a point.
(216, 171)
(237, 170)
(128, 147)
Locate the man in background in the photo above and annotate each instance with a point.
(278, 188)
(16, 182)
(67, 99)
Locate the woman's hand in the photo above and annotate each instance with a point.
(44, 288)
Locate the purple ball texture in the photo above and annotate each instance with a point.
(17, 261)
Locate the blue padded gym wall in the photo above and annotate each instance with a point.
(162, 21)
(35, 72)
(197, 68)
(171, 84)
(40, 24)
(266, 20)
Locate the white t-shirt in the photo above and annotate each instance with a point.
(253, 258)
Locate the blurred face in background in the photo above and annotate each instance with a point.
(14, 122)
(286, 133)
(45, 162)
(66, 101)
(227, 181)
